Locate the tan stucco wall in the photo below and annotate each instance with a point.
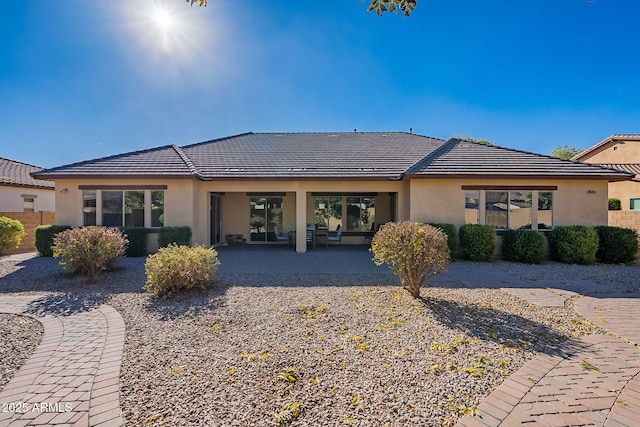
(179, 199)
(235, 202)
(615, 152)
(625, 191)
(575, 202)
(187, 202)
(11, 199)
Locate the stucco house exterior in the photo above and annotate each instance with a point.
(20, 192)
(621, 152)
(248, 186)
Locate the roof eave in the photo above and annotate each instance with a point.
(610, 178)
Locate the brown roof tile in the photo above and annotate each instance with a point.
(467, 158)
(18, 174)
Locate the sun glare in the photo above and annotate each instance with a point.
(163, 20)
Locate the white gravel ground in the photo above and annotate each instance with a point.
(358, 355)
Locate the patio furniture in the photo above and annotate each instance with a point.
(281, 237)
(311, 236)
(337, 237)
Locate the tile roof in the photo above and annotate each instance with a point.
(466, 158)
(614, 137)
(633, 168)
(310, 155)
(167, 161)
(322, 155)
(18, 174)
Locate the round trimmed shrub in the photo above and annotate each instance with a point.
(617, 245)
(477, 242)
(44, 235)
(574, 244)
(89, 250)
(177, 235)
(525, 246)
(615, 204)
(137, 237)
(452, 235)
(412, 250)
(175, 268)
(11, 234)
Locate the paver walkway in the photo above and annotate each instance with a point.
(589, 381)
(72, 379)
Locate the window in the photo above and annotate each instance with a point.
(112, 208)
(28, 204)
(361, 213)
(134, 208)
(634, 204)
(157, 208)
(545, 210)
(327, 212)
(118, 208)
(472, 207)
(496, 209)
(509, 209)
(89, 207)
(266, 214)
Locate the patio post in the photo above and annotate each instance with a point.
(301, 221)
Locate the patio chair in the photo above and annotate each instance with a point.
(281, 237)
(337, 237)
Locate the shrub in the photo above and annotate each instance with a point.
(177, 235)
(574, 244)
(412, 250)
(615, 204)
(477, 241)
(11, 234)
(616, 245)
(452, 235)
(137, 237)
(175, 268)
(44, 238)
(89, 250)
(523, 246)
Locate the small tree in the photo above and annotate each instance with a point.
(565, 151)
(412, 250)
(89, 250)
(11, 234)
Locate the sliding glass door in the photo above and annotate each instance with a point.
(266, 214)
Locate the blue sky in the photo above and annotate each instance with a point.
(84, 79)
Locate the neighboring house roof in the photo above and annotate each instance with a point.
(362, 155)
(18, 174)
(614, 137)
(460, 158)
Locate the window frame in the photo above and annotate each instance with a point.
(535, 206)
(148, 218)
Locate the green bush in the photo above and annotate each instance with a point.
(177, 235)
(615, 204)
(574, 244)
(412, 250)
(11, 234)
(44, 238)
(137, 237)
(525, 246)
(89, 250)
(477, 242)
(616, 245)
(175, 268)
(452, 235)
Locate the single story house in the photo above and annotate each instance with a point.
(20, 192)
(622, 152)
(255, 186)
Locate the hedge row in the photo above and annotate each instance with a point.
(137, 237)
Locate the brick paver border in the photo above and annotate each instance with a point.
(73, 376)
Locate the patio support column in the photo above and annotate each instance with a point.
(301, 221)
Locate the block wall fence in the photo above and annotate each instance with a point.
(30, 220)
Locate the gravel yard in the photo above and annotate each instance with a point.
(345, 352)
